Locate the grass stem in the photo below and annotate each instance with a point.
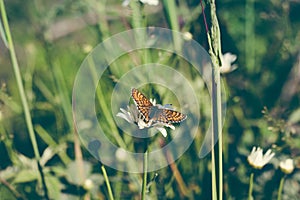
(250, 197)
(144, 186)
(23, 97)
(215, 51)
(20, 85)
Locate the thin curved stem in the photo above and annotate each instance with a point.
(110, 194)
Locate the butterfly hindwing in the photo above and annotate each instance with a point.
(173, 116)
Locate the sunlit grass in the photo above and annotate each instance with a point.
(44, 83)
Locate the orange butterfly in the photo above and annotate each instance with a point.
(153, 113)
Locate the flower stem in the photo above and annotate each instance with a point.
(280, 188)
(144, 186)
(250, 187)
(111, 197)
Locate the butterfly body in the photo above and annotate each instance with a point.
(155, 114)
(154, 111)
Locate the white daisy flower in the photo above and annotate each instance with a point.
(287, 166)
(132, 115)
(256, 158)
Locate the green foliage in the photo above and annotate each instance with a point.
(52, 38)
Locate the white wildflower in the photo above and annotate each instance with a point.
(132, 115)
(256, 158)
(227, 59)
(149, 2)
(287, 166)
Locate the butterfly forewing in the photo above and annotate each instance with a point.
(142, 103)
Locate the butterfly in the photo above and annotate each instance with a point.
(153, 113)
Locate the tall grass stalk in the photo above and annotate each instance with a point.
(21, 90)
(215, 52)
(20, 85)
(144, 186)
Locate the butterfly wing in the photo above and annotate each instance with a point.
(166, 116)
(172, 116)
(153, 113)
(142, 103)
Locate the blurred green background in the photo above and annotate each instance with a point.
(52, 38)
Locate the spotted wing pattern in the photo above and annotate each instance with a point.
(166, 116)
(153, 113)
(172, 116)
(142, 103)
